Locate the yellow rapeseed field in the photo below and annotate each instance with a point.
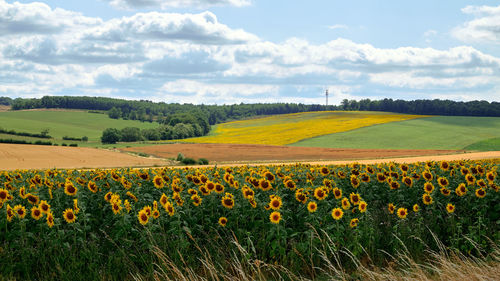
(290, 128)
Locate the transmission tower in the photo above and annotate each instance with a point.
(326, 94)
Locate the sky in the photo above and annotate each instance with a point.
(251, 51)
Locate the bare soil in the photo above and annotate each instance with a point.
(4, 107)
(221, 153)
(23, 156)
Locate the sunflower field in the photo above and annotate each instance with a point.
(106, 224)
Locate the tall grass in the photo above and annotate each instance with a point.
(336, 264)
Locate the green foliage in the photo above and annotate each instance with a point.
(425, 133)
(43, 134)
(188, 161)
(5, 101)
(180, 156)
(130, 134)
(114, 113)
(203, 161)
(110, 136)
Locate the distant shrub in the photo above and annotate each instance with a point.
(180, 157)
(188, 161)
(39, 142)
(63, 144)
(110, 135)
(203, 161)
(73, 144)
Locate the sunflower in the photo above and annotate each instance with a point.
(490, 176)
(337, 213)
(196, 200)
(4, 194)
(481, 183)
(427, 199)
(345, 204)
(301, 197)
(461, 189)
(158, 182)
(362, 206)
(33, 199)
(70, 189)
(116, 206)
(143, 217)
(223, 221)
(75, 206)
(470, 179)
(44, 206)
(20, 211)
(92, 186)
(428, 187)
(290, 184)
(312, 207)
(227, 202)
(127, 205)
(450, 208)
(354, 181)
(324, 171)
(381, 177)
(275, 203)
(444, 165)
(265, 185)
(148, 210)
(275, 217)
(480, 192)
(443, 182)
(320, 193)
(464, 171)
(402, 213)
(391, 208)
(155, 214)
(50, 219)
(337, 193)
(427, 175)
(445, 191)
(354, 222)
(69, 216)
(404, 167)
(219, 188)
(169, 208)
(407, 181)
(10, 213)
(341, 174)
(247, 192)
(36, 213)
(416, 208)
(355, 198)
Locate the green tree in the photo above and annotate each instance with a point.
(115, 113)
(110, 135)
(129, 134)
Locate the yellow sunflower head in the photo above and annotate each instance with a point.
(337, 213)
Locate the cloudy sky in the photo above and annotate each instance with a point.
(232, 51)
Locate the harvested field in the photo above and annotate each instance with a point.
(21, 156)
(248, 152)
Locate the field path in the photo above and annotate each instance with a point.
(23, 156)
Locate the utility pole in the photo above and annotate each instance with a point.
(326, 93)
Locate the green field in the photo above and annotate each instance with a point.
(442, 132)
(64, 123)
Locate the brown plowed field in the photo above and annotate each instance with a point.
(254, 153)
(23, 156)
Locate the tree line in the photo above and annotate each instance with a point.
(180, 121)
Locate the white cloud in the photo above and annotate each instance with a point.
(338, 26)
(39, 18)
(164, 4)
(485, 28)
(201, 28)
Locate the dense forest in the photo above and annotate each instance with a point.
(188, 120)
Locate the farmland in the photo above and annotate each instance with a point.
(443, 132)
(201, 221)
(290, 128)
(65, 123)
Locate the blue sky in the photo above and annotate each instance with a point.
(232, 51)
